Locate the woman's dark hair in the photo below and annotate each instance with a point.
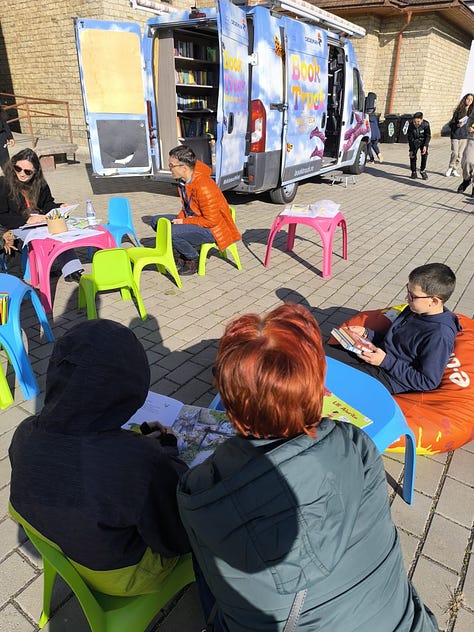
(462, 109)
(19, 191)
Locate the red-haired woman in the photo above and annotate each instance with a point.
(289, 520)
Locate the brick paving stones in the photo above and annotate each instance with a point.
(394, 224)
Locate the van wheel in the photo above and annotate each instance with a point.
(284, 194)
(359, 163)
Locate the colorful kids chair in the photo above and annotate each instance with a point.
(161, 255)
(223, 253)
(111, 270)
(104, 613)
(119, 221)
(11, 338)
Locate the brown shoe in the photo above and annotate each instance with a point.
(190, 267)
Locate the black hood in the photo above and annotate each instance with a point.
(97, 377)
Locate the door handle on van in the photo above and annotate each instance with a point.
(281, 107)
(230, 123)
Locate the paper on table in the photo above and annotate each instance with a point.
(321, 208)
(27, 235)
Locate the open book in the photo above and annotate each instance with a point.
(201, 430)
(351, 341)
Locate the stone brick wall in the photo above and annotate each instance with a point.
(432, 63)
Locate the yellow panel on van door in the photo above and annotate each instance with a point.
(112, 70)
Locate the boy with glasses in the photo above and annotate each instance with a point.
(412, 355)
(204, 217)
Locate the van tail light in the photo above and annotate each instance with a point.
(258, 127)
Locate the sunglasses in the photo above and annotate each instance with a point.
(27, 172)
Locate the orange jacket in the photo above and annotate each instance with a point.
(210, 207)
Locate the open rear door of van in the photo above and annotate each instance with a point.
(113, 88)
(233, 101)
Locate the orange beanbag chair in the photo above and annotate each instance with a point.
(442, 419)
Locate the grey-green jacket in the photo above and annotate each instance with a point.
(269, 518)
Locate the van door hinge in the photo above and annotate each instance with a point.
(253, 59)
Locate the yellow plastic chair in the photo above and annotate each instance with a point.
(161, 255)
(6, 397)
(223, 253)
(104, 613)
(111, 270)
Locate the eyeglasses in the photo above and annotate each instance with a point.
(412, 297)
(27, 172)
(177, 164)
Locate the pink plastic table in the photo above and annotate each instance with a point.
(43, 252)
(325, 226)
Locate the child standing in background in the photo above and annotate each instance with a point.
(419, 136)
(373, 147)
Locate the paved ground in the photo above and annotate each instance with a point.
(394, 225)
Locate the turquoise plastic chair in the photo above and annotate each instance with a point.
(370, 397)
(111, 270)
(11, 338)
(204, 251)
(104, 613)
(120, 221)
(25, 264)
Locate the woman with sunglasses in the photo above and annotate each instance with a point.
(25, 198)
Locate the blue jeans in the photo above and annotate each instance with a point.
(186, 237)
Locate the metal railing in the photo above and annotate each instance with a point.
(26, 108)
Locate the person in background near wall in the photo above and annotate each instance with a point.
(419, 136)
(373, 147)
(459, 132)
(467, 162)
(6, 137)
(25, 198)
(204, 216)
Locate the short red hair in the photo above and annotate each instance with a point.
(270, 372)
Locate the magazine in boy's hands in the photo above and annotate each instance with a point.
(352, 341)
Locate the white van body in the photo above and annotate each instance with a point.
(267, 97)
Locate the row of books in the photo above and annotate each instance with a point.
(195, 51)
(196, 126)
(186, 102)
(3, 307)
(196, 77)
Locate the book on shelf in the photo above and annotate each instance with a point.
(3, 307)
(352, 341)
(200, 430)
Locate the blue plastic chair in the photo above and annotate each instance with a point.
(371, 398)
(120, 222)
(25, 264)
(11, 338)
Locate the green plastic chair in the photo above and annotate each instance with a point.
(161, 255)
(104, 613)
(6, 397)
(223, 253)
(111, 270)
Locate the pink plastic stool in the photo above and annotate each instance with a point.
(325, 226)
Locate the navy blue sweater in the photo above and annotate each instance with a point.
(418, 347)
